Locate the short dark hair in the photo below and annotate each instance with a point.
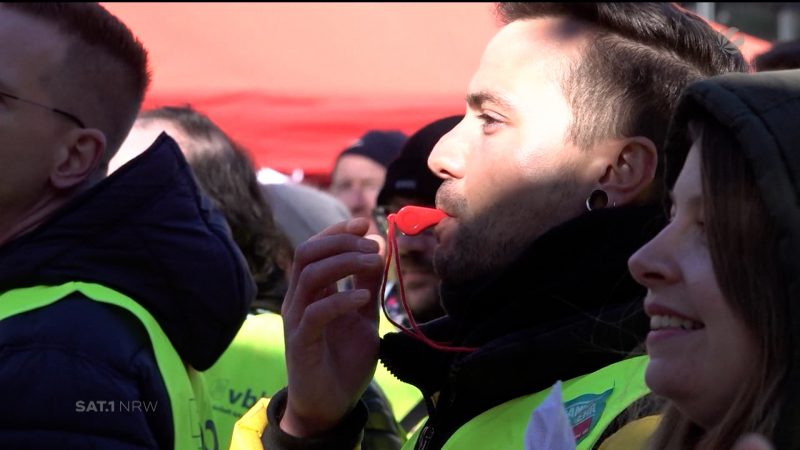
(639, 59)
(104, 76)
(225, 172)
(782, 56)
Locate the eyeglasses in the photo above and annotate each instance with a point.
(69, 116)
(380, 214)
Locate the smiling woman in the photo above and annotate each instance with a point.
(721, 275)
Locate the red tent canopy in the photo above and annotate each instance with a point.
(297, 83)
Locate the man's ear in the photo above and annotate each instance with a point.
(631, 172)
(78, 158)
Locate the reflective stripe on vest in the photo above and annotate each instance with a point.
(592, 402)
(181, 381)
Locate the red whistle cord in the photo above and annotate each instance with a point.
(415, 332)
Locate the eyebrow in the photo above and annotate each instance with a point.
(476, 99)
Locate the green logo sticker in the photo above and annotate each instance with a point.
(584, 412)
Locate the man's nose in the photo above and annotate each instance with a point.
(447, 159)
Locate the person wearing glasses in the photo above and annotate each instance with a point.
(114, 291)
(409, 181)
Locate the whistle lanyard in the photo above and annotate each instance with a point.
(414, 331)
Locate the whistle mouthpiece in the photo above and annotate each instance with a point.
(412, 220)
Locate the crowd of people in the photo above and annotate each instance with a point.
(616, 268)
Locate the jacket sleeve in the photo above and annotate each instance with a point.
(345, 436)
(79, 374)
(382, 432)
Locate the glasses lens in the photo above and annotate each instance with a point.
(380, 215)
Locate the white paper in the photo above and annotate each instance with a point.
(549, 427)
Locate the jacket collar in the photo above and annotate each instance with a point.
(567, 306)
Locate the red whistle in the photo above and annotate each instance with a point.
(412, 220)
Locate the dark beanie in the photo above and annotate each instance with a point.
(409, 175)
(379, 146)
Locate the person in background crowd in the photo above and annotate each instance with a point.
(410, 182)
(114, 291)
(359, 171)
(226, 174)
(299, 211)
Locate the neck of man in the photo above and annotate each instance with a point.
(15, 224)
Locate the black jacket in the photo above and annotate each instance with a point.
(567, 307)
(147, 232)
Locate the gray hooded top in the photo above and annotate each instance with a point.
(762, 113)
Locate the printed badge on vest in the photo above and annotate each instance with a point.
(584, 412)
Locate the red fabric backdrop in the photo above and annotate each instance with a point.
(296, 83)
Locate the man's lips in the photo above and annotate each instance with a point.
(443, 226)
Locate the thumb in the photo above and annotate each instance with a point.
(381, 243)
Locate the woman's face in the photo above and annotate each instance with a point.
(700, 351)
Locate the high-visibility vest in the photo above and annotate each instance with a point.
(592, 402)
(192, 424)
(402, 396)
(251, 368)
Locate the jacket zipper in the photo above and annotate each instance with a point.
(424, 437)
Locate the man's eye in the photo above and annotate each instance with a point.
(490, 124)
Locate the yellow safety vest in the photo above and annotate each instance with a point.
(192, 424)
(402, 396)
(251, 368)
(592, 402)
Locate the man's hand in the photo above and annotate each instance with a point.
(331, 337)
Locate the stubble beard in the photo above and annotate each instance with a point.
(487, 243)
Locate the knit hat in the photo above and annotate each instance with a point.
(379, 146)
(409, 175)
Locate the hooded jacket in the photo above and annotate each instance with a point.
(566, 307)
(148, 232)
(761, 112)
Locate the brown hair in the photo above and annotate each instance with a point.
(743, 241)
(225, 172)
(639, 59)
(104, 76)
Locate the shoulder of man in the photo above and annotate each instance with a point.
(81, 372)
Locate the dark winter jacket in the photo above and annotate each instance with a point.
(147, 232)
(567, 307)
